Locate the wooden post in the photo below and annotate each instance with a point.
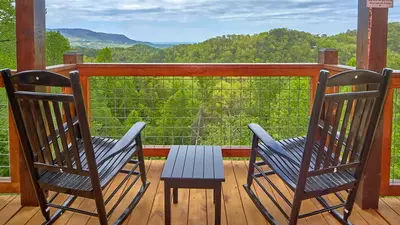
(371, 54)
(328, 56)
(73, 58)
(31, 36)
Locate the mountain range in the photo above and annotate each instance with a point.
(91, 39)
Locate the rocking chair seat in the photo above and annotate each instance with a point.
(107, 169)
(289, 172)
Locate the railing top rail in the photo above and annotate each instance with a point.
(61, 67)
(396, 74)
(199, 69)
(338, 68)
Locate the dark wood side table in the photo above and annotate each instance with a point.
(193, 167)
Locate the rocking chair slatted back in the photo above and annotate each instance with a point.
(48, 120)
(348, 124)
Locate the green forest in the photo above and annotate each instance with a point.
(198, 110)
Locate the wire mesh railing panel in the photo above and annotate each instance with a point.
(200, 110)
(4, 146)
(395, 146)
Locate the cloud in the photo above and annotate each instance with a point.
(193, 10)
(196, 20)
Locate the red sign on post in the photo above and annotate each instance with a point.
(380, 3)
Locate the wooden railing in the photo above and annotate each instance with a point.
(206, 70)
(196, 70)
(388, 146)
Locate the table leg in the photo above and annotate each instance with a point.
(167, 204)
(217, 200)
(175, 195)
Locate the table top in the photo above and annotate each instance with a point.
(194, 162)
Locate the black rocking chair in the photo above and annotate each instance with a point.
(59, 151)
(332, 157)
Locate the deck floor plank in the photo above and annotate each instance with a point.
(266, 201)
(393, 202)
(5, 199)
(388, 213)
(211, 208)
(252, 214)
(141, 213)
(196, 206)
(38, 218)
(180, 211)
(233, 205)
(157, 211)
(10, 210)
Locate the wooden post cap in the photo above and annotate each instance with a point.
(328, 56)
(73, 58)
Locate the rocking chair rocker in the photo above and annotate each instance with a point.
(332, 156)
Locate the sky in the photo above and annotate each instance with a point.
(199, 20)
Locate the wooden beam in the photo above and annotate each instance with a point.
(371, 54)
(31, 48)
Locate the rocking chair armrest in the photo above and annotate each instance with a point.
(124, 142)
(268, 141)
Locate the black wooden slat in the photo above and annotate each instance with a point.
(343, 130)
(189, 163)
(360, 134)
(328, 158)
(218, 163)
(30, 123)
(61, 133)
(352, 95)
(199, 162)
(353, 128)
(53, 135)
(72, 135)
(208, 162)
(180, 161)
(321, 151)
(44, 96)
(169, 164)
(37, 114)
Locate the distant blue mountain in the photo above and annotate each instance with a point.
(91, 39)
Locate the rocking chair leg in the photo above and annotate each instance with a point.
(349, 204)
(101, 209)
(253, 156)
(294, 213)
(142, 167)
(43, 204)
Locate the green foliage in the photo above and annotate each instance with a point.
(56, 46)
(104, 56)
(278, 45)
(352, 62)
(7, 34)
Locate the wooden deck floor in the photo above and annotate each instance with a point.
(196, 206)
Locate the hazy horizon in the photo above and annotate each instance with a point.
(198, 20)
